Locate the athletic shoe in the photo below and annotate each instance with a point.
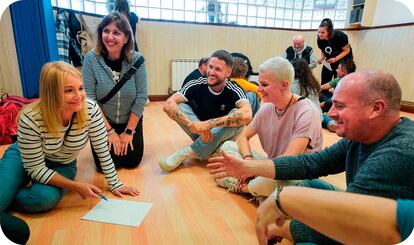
(171, 162)
(230, 183)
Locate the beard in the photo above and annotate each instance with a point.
(214, 83)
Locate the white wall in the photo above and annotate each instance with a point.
(388, 12)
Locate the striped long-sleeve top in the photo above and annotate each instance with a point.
(36, 144)
(98, 81)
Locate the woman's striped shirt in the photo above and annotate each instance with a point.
(36, 144)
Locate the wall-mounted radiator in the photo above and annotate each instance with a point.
(180, 68)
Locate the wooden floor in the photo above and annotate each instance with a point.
(188, 206)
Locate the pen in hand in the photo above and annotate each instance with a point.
(102, 196)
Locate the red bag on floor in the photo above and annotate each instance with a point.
(9, 110)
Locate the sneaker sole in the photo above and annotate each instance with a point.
(164, 166)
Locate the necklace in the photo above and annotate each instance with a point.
(280, 114)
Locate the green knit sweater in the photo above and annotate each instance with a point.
(385, 168)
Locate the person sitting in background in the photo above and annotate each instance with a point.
(305, 83)
(287, 124)
(103, 68)
(36, 171)
(300, 50)
(376, 150)
(122, 6)
(210, 110)
(238, 74)
(197, 73)
(345, 67)
(345, 217)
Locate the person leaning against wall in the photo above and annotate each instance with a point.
(103, 67)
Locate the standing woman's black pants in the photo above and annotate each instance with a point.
(133, 158)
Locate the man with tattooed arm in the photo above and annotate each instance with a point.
(210, 110)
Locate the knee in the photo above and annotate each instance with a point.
(38, 201)
(229, 146)
(261, 186)
(132, 163)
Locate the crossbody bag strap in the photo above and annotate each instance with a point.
(122, 81)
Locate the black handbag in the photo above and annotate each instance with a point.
(123, 80)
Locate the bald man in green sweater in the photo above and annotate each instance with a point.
(376, 151)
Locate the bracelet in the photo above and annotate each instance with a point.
(246, 156)
(110, 131)
(277, 201)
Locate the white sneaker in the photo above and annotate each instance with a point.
(229, 183)
(171, 162)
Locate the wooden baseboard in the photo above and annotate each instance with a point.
(407, 106)
(158, 97)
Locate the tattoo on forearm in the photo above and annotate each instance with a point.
(233, 119)
(178, 116)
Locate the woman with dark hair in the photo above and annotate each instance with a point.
(305, 83)
(103, 67)
(334, 46)
(122, 6)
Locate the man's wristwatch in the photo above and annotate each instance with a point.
(129, 131)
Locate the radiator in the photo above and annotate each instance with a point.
(180, 68)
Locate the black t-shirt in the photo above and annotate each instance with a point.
(196, 74)
(208, 104)
(333, 47)
(116, 67)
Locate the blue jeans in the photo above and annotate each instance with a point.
(36, 198)
(318, 184)
(326, 120)
(220, 135)
(254, 102)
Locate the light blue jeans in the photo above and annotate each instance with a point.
(254, 102)
(36, 198)
(220, 135)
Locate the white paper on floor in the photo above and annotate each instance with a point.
(121, 212)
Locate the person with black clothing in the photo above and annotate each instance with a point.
(334, 46)
(201, 71)
(300, 50)
(122, 6)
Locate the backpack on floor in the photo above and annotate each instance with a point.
(9, 110)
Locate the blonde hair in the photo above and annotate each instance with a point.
(281, 68)
(52, 80)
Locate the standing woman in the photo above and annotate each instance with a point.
(122, 6)
(36, 171)
(334, 46)
(102, 68)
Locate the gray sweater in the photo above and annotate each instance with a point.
(384, 168)
(98, 80)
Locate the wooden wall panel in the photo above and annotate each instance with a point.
(387, 49)
(160, 42)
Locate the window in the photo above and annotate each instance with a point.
(297, 14)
